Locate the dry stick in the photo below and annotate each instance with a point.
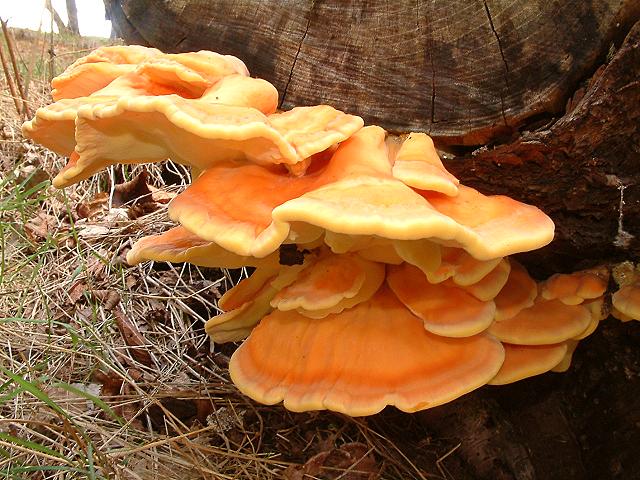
(7, 75)
(12, 55)
(52, 55)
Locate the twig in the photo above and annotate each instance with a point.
(12, 55)
(52, 54)
(7, 75)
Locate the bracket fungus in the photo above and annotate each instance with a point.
(405, 296)
(626, 299)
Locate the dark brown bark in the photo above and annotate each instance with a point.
(582, 170)
(465, 70)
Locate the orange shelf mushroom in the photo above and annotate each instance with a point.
(357, 362)
(406, 295)
(626, 300)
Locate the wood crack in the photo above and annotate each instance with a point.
(495, 33)
(295, 59)
(504, 61)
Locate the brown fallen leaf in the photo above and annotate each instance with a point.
(113, 389)
(30, 176)
(97, 265)
(351, 461)
(111, 383)
(133, 338)
(131, 281)
(139, 196)
(90, 209)
(108, 298)
(77, 290)
(135, 190)
(141, 209)
(114, 218)
(40, 227)
(161, 196)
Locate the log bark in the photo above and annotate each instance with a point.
(550, 85)
(582, 170)
(467, 71)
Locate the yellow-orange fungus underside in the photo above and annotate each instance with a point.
(323, 283)
(99, 68)
(360, 360)
(512, 226)
(246, 289)
(517, 294)
(522, 361)
(544, 323)
(490, 286)
(180, 245)
(374, 274)
(627, 302)
(461, 267)
(215, 206)
(445, 310)
(574, 288)
(417, 164)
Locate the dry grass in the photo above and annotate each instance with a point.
(105, 370)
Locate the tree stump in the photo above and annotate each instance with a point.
(468, 73)
(533, 99)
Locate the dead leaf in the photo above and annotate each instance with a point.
(351, 461)
(135, 190)
(135, 374)
(141, 209)
(133, 338)
(92, 231)
(76, 292)
(111, 220)
(131, 281)
(113, 386)
(161, 196)
(108, 298)
(30, 175)
(98, 204)
(223, 419)
(96, 267)
(40, 227)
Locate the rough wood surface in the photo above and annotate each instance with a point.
(467, 70)
(461, 71)
(470, 72)
(582, 170)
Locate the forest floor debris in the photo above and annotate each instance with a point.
(106, 371)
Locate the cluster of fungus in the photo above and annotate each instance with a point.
(404, 293)
(626, 300)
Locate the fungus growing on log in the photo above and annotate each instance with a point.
(405, 295)
(626, 302)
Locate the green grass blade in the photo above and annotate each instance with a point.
(96, 400)
(33, 390)
(30, 445)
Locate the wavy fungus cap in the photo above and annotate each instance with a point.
(359, 361)
(401, 295)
